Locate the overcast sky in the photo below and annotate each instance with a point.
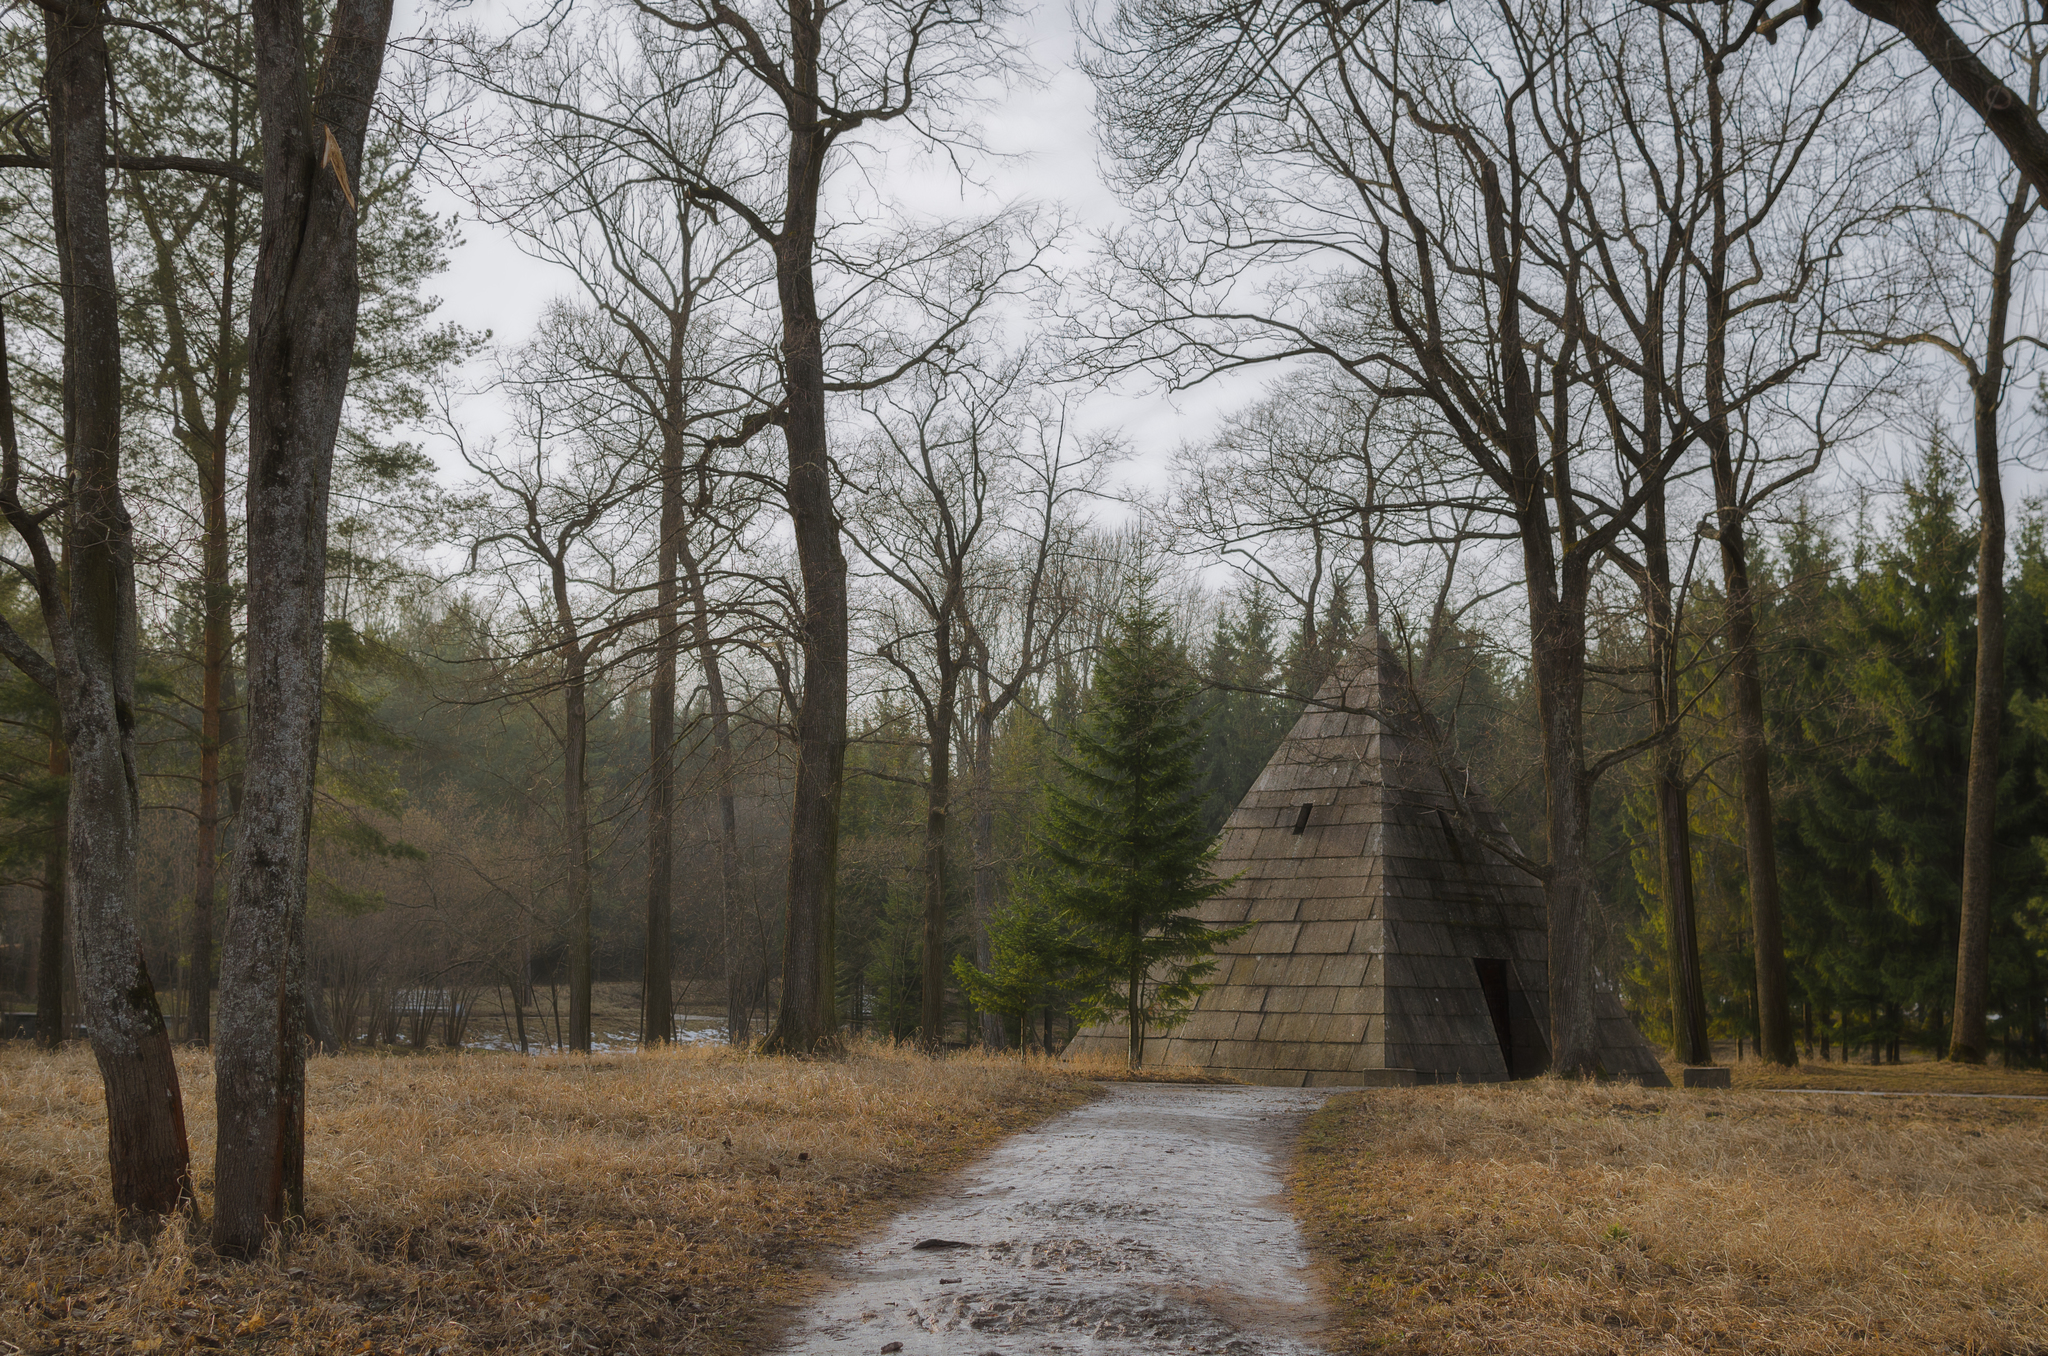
(1042, 145)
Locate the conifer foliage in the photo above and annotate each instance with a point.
(1124, 835)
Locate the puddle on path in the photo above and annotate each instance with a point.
(1149, 1221)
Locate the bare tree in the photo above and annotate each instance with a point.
(960, 475)
(550, 516)
(827, 73)
(302, 329)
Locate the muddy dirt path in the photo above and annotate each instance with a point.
(1150, 1221)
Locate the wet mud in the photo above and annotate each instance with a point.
(1149, 1221)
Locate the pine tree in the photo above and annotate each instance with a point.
(1123, 832)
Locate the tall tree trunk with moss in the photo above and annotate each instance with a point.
(302, 328)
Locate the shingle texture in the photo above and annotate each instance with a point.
(1389, 941)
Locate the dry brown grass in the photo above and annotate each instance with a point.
(1925, 1075)
(468, 1203)
(1554, 1217)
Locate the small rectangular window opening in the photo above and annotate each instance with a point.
(1301, 820)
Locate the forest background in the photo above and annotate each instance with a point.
(502, 698)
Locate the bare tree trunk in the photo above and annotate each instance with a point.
(1752, 745)
(985, 852)
(1690, 1043)
(90, 615)
(218, 604)
(657, 1003)
(50, 955)
(809, 1020)
(1968, 1041)
(576, 815)
(302, 324)
(737, 1005)
(938, 805)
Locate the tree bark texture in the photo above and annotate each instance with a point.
(302, 324)
(90, 614)
(808, 1020)
(1969, 1040)
(50, 952)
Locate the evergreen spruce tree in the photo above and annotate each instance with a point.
(1124, 836)
(1030, 954)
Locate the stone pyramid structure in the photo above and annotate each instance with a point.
(1390, 944)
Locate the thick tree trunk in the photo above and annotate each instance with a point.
(1968, 1040)
(93, 635)
(1752, 746)
(50, 952)
(1559, 655)
(808, 1020)
(737, 1006)
(302, 323)
(938, 806)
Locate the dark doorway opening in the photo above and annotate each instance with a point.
(1493, 982)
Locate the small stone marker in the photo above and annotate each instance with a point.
(1712, 1076)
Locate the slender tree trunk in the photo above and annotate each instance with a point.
(1689, 1040)
(576, 816)
(1752, 745)
(657, 1004)
(1136, 1016)
(938, 806)
(50, 953)
(809, 1019)
(737, 1005)
(91, 618)
(302, 325)
(1968, 1041)
(217, 637)
(217, 602)
(985, 852)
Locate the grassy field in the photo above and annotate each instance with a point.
(472, 1202)
(1550, 1217)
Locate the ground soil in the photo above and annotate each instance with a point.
(1151, 1220)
